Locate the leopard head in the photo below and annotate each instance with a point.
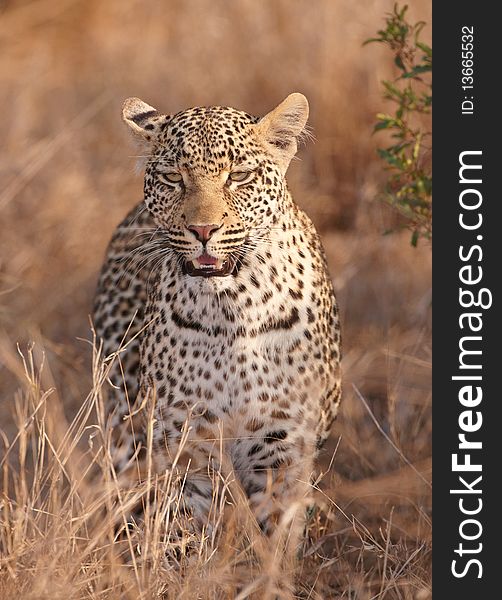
(215, 177)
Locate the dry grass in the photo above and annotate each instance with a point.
(67, 180)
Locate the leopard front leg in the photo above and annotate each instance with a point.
(187, 451)
(276, 481)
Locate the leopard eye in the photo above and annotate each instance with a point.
(172, 177)
(240, 176)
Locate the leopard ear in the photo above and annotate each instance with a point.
(144, 120)
(281, 128)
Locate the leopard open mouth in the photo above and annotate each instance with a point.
(209, 266)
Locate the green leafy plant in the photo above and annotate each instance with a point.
(409, 185)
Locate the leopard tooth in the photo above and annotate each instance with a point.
(196, 263)
(219, 264)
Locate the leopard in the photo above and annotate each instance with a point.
(216, 289)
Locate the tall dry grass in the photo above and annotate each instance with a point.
(67, 180)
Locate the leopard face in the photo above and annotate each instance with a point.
(215, 181)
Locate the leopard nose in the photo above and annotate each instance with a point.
(203, 232)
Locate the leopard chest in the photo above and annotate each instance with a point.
(236, 388)
(244, 375)
(230, 369)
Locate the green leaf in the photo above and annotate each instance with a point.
(418, 28)
(387, 122)
(380, 126)
(393, 91)
(384, 116)
(399, 147)
(390, 158)
(416, 71)
(371, 40)
(425, 48)
(399, 62)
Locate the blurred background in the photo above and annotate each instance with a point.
(67, 179)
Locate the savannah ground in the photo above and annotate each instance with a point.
(68, 178)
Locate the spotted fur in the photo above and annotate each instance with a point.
(250, 355)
